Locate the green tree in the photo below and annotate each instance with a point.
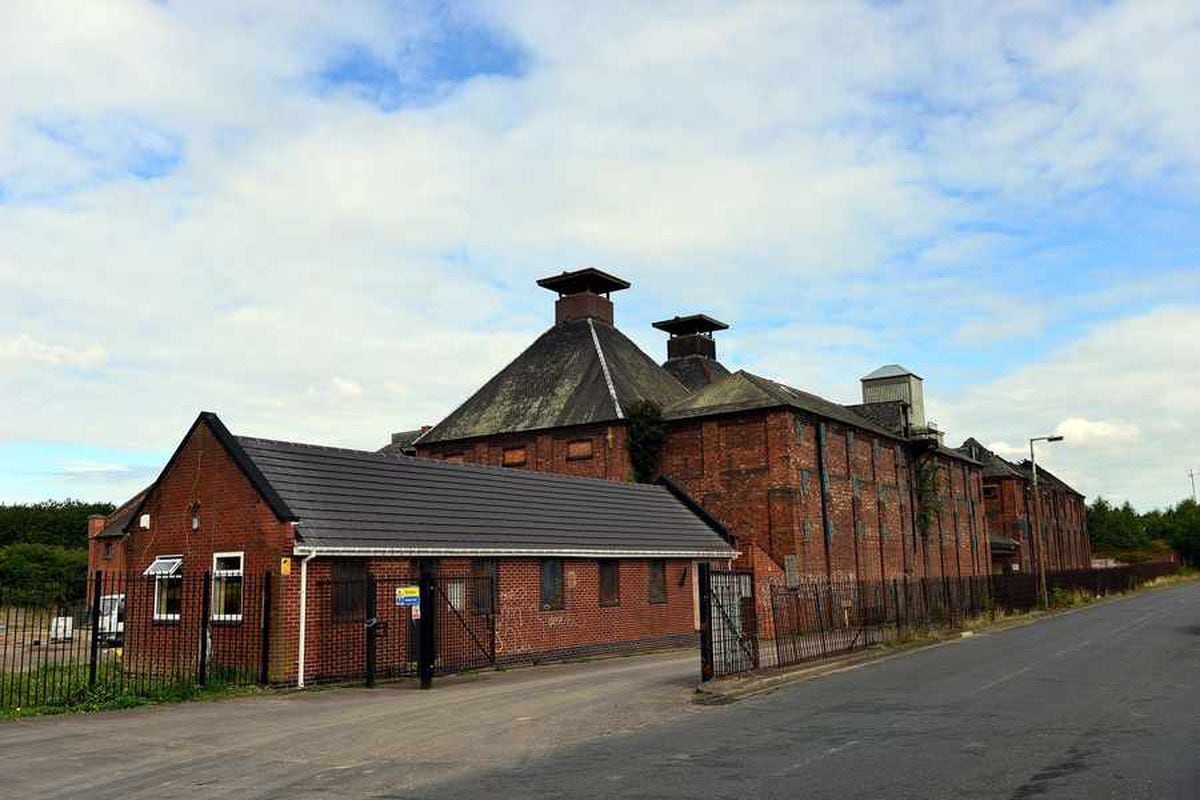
(54, 522)
(647, 433)
(1115, 528)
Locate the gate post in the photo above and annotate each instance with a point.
(205, 612)
(94, 650)
(428, 645)
(264, 653)
(372, 627)
(704, 577)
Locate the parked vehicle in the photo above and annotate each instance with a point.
(112, 619)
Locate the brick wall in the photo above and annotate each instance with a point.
(107, 554)
(549, 451)
(1063, 522)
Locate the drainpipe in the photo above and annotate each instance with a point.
(303, 617)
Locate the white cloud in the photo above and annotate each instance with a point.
(823, 176)
(1079, 432)
(23, 348)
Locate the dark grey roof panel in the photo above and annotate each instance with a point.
(696, 372)
(349, 499)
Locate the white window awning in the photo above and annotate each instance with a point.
(165, 567)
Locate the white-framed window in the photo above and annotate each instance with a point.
(167, 572)
(227, 587)
(456, 593)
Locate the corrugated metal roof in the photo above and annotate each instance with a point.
(356, 500)
(890, 371)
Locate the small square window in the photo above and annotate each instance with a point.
(656, 590)
(514, 457)
(991, 492)
(552, 596)
(579, 450)
(610, 582)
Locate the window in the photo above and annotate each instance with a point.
(610, 582)
(349, 585)
(483, 585)
(991, 492)
(227, 587)
(168, 587)
(108, 550)
(579, 450)
(456, 593)
(552, 584)
(656, 590)
(513, 457)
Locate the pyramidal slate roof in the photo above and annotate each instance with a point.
(578, 372)
(696, 372)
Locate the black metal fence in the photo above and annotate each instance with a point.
(823, 618)
(99, 638)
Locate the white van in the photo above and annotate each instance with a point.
(112, 619)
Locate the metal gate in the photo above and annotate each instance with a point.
(728, 624)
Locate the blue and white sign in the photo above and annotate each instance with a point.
(408, 596)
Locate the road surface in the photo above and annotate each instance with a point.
(1103, 702)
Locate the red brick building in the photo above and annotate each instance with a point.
(106, 538)
(547, 564)
(809, 487)
(1014, 516)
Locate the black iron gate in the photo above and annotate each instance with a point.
(728, 623)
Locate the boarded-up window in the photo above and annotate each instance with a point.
(610, 582)
(552, 584)
(579, 450)
(513, 457)
(656, 589)
(483, 585)
(991, 492)
(348, 589)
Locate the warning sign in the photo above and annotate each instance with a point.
(408, 595)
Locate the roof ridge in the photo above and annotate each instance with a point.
(612, 392)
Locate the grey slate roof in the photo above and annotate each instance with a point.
(1047, 478)
(560, 380)
(743, 391)
(696, 372)
(401, 443)
(889, 415)
(114, 527)
(994, 466)
(351, 500)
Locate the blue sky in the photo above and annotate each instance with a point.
(325, 223)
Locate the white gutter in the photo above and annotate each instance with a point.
(528, 552)
(303, 616)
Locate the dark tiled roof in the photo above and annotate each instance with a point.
(356, 500)
(743, 391)
(562, 379)
(114, 526)
(889, 415)
(1046, 477)
(401, 443)
(994, 466)
(696, 372)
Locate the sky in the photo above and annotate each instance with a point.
(324, 221)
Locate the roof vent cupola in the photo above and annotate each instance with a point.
(583, 294)
(691, 350)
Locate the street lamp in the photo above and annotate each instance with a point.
(1037, 512)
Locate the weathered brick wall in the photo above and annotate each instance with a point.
(547, 451)
(1063, 520)
(104, 555)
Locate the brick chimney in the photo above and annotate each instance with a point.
(691, 336)
(583, 294)
(95, 524)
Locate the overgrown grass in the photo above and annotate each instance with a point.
(63, 688)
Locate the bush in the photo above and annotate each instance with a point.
(42, 575)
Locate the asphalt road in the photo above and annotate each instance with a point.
(1098, 703)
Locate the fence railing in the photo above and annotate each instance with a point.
(819, 619)
(96, 639)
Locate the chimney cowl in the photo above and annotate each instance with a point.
(691, 335)
(583, 294)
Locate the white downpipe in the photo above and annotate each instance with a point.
(303, 616)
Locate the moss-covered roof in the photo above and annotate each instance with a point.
(578, 372)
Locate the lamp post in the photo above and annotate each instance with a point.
(1037, 513)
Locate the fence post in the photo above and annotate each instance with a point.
(821, 618)
(704, 577)
(205, 611)
(264, 653)
(372, 627)
(94, 650)
(428, 643)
